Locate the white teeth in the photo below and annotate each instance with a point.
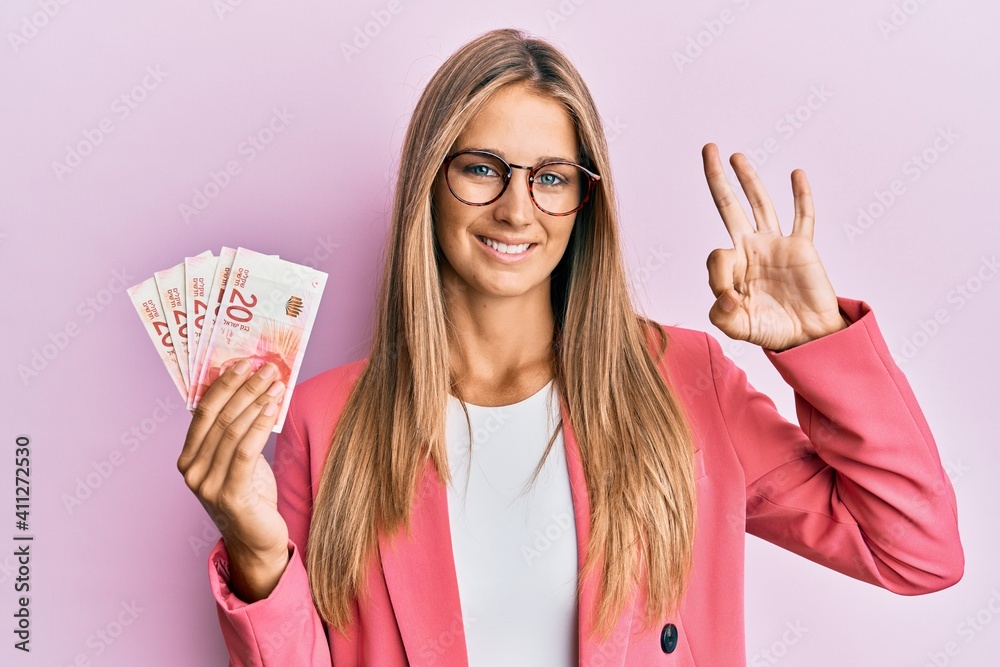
(504, 248)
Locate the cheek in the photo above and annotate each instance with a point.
(447, 216)
(560, 236)
(448, 224)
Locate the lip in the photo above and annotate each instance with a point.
(502, 256)
(506, 240)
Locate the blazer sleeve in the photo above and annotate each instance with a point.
(858, 486)
(283, 628)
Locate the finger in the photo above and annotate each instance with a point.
(244, 459)
(251, 388)
(233, 439)
(725, 199)
(804, 215)
(204, 415)
(721, 264)
(732, 322)
(760, 202)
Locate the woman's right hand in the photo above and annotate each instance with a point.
(222, 464)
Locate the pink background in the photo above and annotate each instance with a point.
(891, 74)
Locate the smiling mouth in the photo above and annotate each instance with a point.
(503, 248)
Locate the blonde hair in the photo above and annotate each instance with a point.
(635, 443)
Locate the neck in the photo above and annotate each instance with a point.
(500, 340)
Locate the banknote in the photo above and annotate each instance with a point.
(146, 299)
(266, 313)
(198, 274)
(215, 292)
(218, 287)
(173, 298)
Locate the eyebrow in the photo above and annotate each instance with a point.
(544, 158)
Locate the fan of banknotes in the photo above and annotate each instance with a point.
(207, 313)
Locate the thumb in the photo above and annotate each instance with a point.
(725, 312)
(728, 302)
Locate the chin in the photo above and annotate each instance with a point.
(508, 288)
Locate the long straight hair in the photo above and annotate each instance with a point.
(634, 440)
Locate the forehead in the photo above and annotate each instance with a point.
(523, 126)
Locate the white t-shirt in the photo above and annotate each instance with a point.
(515, 557)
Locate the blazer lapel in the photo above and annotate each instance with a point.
(423, 587)
(420, 576)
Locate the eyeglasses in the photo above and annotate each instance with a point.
(557, 187)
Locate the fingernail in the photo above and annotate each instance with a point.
(276, 388)
(241, 367)
(267, 371)
(270, 409)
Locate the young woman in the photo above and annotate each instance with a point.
(524, 471)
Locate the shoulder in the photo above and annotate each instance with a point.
(692, 363)
(330, 382)
(317, 402)
(686, 348)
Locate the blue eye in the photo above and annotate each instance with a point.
(550, 179)
(481, 170)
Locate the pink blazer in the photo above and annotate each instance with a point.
(858, 487)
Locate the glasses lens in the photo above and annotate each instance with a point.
(560, 188)
(476, 178)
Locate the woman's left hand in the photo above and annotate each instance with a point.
(779, 293)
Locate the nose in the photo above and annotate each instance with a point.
(515, 203)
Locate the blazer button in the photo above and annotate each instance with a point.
(668, 638)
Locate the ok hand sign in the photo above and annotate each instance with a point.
(770, 289)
